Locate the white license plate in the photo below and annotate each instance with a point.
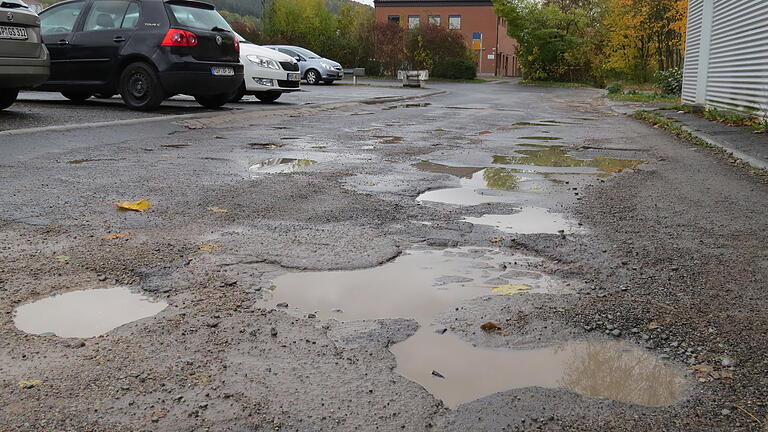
(223, 71)
(294, 77)
(13, 33)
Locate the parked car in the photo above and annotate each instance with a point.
(267, 73)
(146, 50)
(24, 59)
(313, 67)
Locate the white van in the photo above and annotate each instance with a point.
(267, 73)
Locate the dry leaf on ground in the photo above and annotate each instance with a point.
(139, 205)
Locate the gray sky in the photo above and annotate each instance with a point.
(368, 2)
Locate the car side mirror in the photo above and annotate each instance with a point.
(299, 59)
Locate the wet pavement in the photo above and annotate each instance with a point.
(495, 257)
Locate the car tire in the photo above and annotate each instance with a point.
(8, 97)
(312, 76)
(213, 101)
(268, 97)
(76, 96)
(140, 87)
(239, 93)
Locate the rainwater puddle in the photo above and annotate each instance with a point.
(85, 313)
(530, 220)
(559, 156)
(278, 165)
(422, 283)
(611, 370)
(485, 185)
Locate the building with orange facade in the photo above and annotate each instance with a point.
(483, 30)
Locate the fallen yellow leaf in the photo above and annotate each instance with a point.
(29, 384)
(209, 247)
(139, 205)
(117, 236)
(62, 258)
(489, 327)
(653, 325)
(510, 289)
(217, 209)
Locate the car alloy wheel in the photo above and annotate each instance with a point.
(312, 77)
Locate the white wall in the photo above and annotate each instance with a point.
(726, 55)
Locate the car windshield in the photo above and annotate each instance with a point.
(305, 52)
(197, 17)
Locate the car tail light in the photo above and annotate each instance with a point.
(237, 44)
(179, 38)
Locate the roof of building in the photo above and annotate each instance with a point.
(432, 3)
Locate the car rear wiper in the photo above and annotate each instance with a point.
(219, 29)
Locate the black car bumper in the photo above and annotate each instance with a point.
(197, 79)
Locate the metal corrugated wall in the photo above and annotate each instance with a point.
(692, 49)
(726, 61)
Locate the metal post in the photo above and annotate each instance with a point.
(704, 51)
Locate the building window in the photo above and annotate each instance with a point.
(394, 19)
(413, 21)
(434, 20)
(454, 22)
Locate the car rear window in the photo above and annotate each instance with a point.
(197, 17)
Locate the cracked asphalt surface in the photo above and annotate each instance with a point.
(673, 256)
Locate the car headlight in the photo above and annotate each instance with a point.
(326, 65)
(263, 62)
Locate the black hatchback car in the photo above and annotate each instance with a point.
(146, 50)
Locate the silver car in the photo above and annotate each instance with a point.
(24, 61)
(313, 67)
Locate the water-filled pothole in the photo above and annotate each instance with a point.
(529, 220)
(559, 156)
(423, 283)
(611, 370)
(480, 185)
(278, 165)
(85, 313)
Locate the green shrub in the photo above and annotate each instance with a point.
(670, 81)
(615, 88)
(456, 68)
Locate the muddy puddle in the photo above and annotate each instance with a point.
(480, 185)
(529, 220)
(611, 370)
(423, 283)
(278, 165)
(85, 313)
(559, 156)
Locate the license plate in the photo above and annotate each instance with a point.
(294, 77)
(223, 71)
(7, 32)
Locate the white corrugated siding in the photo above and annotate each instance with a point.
(736, 75)
(692, 50)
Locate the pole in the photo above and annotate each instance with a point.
(480, 65)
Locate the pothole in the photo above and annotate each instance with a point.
(278, 165)
(603, 369)
(559, 156)
(529, 220)
(480, 185)
(424, 282)
(85, 313)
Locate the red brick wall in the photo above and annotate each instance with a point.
(482, 19)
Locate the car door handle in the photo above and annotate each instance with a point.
(63, 42)
(118, 39)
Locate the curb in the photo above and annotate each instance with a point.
(195, 116)
(755, 162)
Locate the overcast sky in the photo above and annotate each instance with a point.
(368, 2)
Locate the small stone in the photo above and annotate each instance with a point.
(282, 305)
(616, 333)
(179, 398)
(725, 411)
(311, 315)
(48, 334)
(635, 330)
(230, 282)
(664, 356)
(437, 374)
(203, 405)
(124, 387)
(610, 327)
(75, 344)
(273, 332)
(102, 278)
(727, 361)
(212, 324)
(337, 310)
(253, 332)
